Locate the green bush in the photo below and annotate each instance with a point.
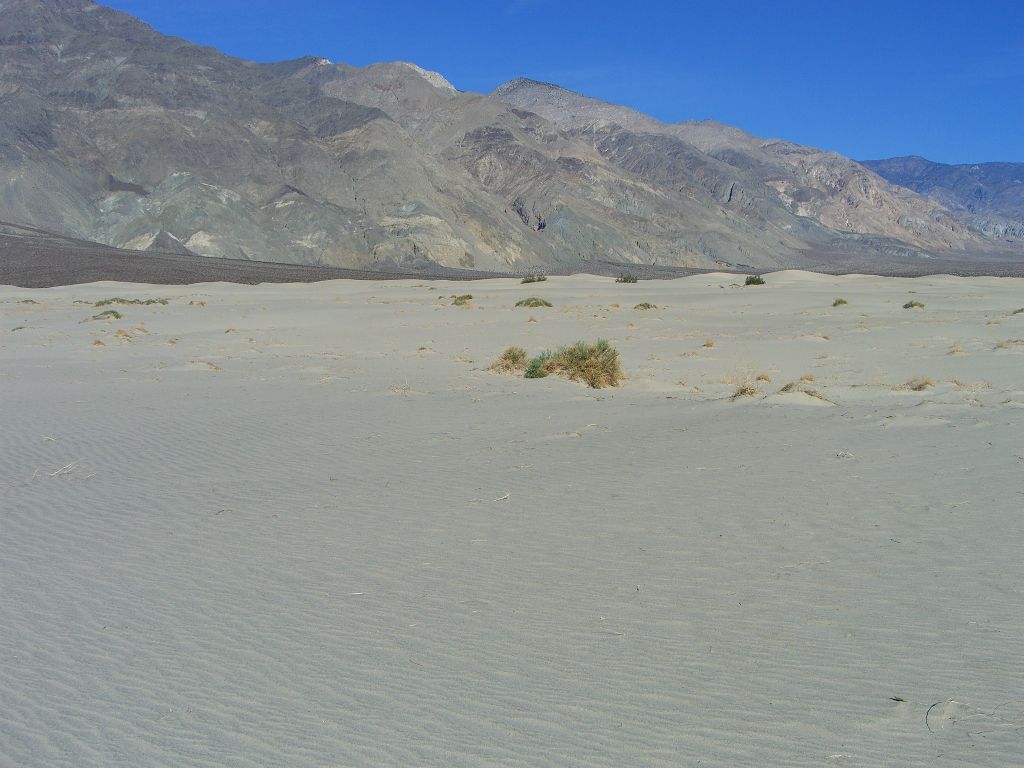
(534, 279)
(839, 302)
(754, 280)
(624, 278)
(119, 300)
(463, 300)
(913, 305)
(110, 314)
(538, 366)
(595, 364)
(533, 302)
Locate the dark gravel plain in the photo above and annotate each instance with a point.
(32, 258)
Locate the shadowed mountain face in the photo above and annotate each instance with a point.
(989, 195)
(112, 132)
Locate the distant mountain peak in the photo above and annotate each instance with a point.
(434, 78)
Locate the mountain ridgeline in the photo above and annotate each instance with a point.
(114, 133)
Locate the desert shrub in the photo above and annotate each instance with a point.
(110, 314)
(754, 280)
(533, 302)
(1018, 311)
(595, 364)
(534, 279)
(913, 305)
(28, 301)
(463, 300)
(119, 300)
(839, 302)
(645, 305)
(709, 343)
(537, 367)
(624, 278)
(512, 360)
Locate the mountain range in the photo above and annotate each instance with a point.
(114, 133)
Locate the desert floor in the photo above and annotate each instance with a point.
(302, 525)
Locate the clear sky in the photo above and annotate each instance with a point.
(870, 79)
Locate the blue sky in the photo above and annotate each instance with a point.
(869, 79)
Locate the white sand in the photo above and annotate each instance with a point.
(314, 531)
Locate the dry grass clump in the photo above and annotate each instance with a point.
(919, 383)
(533, 302)
(512, 360)
(625, 278)
(645, 305)
(913, 305)
(119, 300)
(801, 386)
(1009, 344)
(745, 389)
(462, 301)
(595, 364)
(534, 279)
(956, 349)
(197, 303)
(806, 378)
(754, 280)
(28, 301)
(764, 377)
(709, 343)
(839, 302)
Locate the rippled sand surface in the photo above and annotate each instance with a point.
(303, 525)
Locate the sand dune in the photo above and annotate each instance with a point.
(304, 525)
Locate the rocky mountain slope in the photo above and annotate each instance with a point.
(114, 133)
(989, 195)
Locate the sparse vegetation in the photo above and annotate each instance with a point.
(745, 389)
(595, 364)
(119, 300)
(110, 314)
(839, 302)
(512, 360)
(463, 300)
(645, 305)
(533, 302)
(919, 383)
(1009, 344)
(801, 386)
(913, 305)
(709, 343)
(624, 278)
(197, 303)
(764, 377)
(1018, 311)
(28, 301)
(754, 280)
(17, 328)
(534, 279)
